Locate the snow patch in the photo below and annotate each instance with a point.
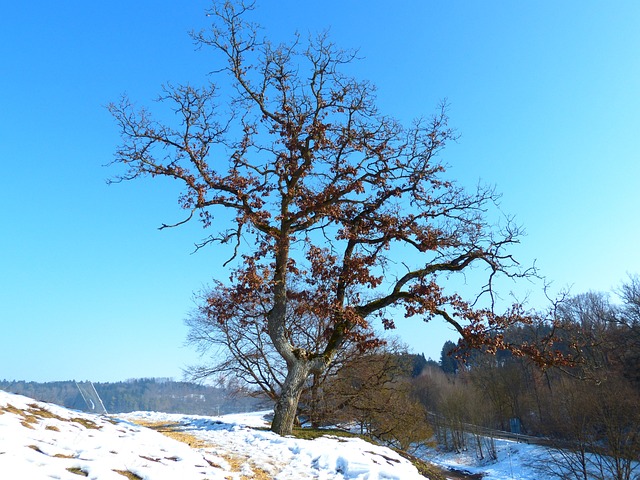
(42, 441)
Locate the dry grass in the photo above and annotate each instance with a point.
(62, 455)
(128, 474)
(174, 430)
(34, 414)
(36, 448)
(78, 471)
(57, 455)
(86, 423)
(236, 464)
(10, 409)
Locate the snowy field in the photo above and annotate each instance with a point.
(43, 441)
(516, 461)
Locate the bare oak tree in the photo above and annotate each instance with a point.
(232, 331)
(323, 189)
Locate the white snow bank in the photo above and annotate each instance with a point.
(288, 458)
(39, 440)
(42, 441)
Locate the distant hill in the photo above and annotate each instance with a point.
(146, 394)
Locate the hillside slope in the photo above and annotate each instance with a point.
(39, 440)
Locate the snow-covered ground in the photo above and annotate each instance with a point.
(43, 441)
(516, 461)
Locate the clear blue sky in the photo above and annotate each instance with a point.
(545, 96)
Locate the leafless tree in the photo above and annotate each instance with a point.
(374, 391)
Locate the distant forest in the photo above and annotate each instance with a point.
(147, 394)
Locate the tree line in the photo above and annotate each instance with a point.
(146, 394)
(587, 412)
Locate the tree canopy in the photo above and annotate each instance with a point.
(338, 211)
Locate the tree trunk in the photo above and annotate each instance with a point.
(286, 407)
(314, 407)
